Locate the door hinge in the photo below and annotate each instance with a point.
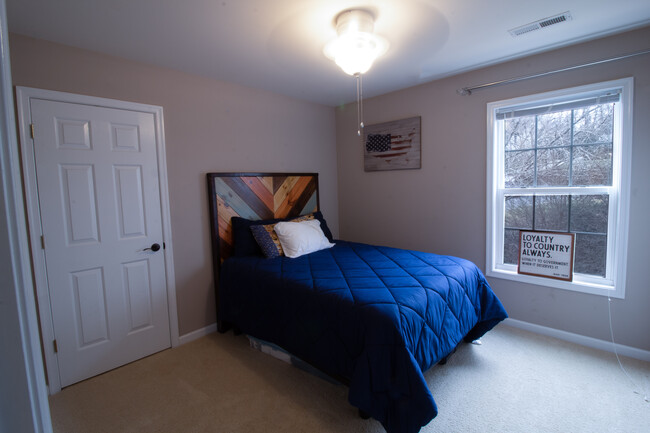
(56, 347)
(164, 246)
(43, 242)
(31, 129)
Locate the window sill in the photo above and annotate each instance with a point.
(577, 285)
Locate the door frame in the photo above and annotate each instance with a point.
(23, 97)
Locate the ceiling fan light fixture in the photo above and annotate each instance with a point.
(356, 47)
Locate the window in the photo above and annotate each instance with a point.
(560, 161)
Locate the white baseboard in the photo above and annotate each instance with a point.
(194, 335)
(594, 343)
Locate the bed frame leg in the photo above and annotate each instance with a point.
(222, 327)
(363, 414)
(444, 360)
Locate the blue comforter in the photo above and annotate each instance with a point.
(376, 316)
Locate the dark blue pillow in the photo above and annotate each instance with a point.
(323, 225)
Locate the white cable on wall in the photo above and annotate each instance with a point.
(643, 392)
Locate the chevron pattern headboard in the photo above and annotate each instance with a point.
(256, 196)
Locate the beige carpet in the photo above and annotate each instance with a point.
(515, 381)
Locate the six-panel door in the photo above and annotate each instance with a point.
(99, 199)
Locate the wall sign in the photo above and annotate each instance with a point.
(546, 254)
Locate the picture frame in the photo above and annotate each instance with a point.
(394, 145)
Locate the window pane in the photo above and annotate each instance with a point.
(591, 254)
(520, 133)
(553, 167)
(511, 247)
(592, 165)
(519, 212)
(554, 129)
(519, 168)
(552, 212)
(593, 124)
(589, 213)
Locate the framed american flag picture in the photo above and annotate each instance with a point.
(392, 145)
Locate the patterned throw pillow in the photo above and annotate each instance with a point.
(268, 240)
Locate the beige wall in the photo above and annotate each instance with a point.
(217, 126)
(441, 207)
(209, 126)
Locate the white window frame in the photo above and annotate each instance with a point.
(613, 284)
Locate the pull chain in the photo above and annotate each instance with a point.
(359, 103)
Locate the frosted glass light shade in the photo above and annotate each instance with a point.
(356, 47)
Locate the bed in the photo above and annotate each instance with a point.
(372, 317)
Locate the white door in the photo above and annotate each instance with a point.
(100, 209)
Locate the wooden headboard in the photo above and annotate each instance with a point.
(255, 196)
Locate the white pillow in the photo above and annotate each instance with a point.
(298, 238)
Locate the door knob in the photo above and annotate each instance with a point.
(153, 247)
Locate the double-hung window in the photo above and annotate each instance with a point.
(560, 162)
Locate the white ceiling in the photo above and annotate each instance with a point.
(277, 44)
